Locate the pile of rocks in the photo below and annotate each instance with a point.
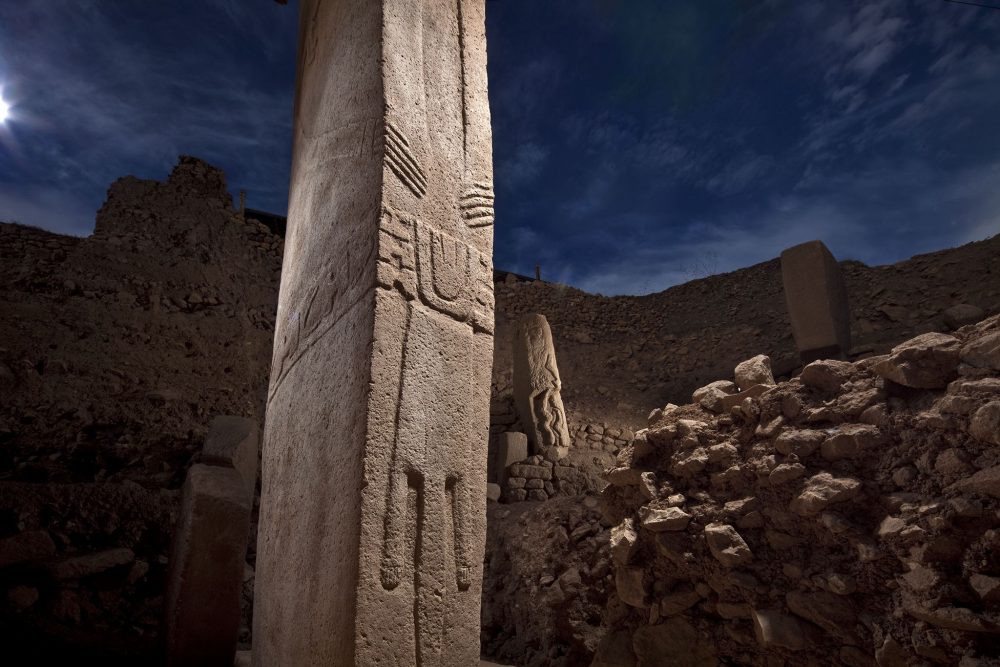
(848, 516)
(545, 582)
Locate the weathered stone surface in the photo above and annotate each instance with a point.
(754, 371)
(827, 374)
(234, 442)
(823, 490)
(817, 301)
(727, 545)
(624, 539)
(207, 560)
(801, 442)
(528, 471)
(537, 388)
(512, 447)
(925, 362)
(710, 396)
(985, 424)
(372, 521)
(849, 441)
(670, 518)
(25, 547)
(984, 352)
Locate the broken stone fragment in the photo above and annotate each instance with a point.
(710, 396)
(661, 520)
(754, 371)
(786, 472)
(850, 441)
(773, 628)
(730, 402)
(623, 541)
(801, 442)
(985, 424)
(928, 361)
(727, 545)
(823, 490)
(827, 374)
(624, 476)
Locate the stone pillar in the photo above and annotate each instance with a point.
(512, 447)
(817, 301)
(372, 522)
(233, 442)
(205, 579)
(537, 388)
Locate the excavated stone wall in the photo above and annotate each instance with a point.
(849, 516)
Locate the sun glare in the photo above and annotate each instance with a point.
(4, 111)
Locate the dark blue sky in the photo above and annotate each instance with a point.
(638, 143)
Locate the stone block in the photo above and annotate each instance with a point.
(511, 448)
(234, 442)
(817, 302)
(205, 574)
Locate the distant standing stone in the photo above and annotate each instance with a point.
(817, 301)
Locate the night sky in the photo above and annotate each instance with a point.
(637, 143)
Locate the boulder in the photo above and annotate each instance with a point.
(849, 441)
(754, 371)
(985, 423)
(710, 396)
(675, 642)
(25, 547)
(823, 490)
(928, 361)
(983, 352)
(827, 374)
(661, 520)
(727, 545)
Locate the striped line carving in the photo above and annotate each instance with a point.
(401, 160)
(477, 205)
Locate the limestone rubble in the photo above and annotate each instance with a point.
(850, 517)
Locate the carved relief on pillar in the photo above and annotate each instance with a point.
(446, 274)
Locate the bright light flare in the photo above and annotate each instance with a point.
(4, 110)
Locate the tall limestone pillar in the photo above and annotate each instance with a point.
(817, 302)
(372, 521)
(537, 388)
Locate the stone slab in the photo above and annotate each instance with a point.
(817, 301)
(205, 571)
(511, 448)
(234, 442)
